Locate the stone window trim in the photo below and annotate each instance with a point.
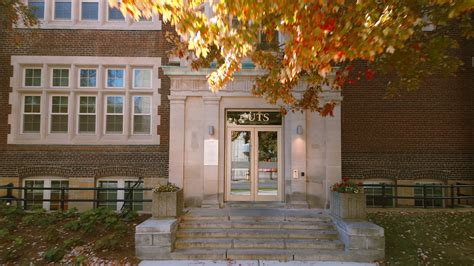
(74, 63)
(102, 23)
(47, 180)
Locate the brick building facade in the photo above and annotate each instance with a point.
(425, 135)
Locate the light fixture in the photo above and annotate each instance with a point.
(299, 130)
(211, 130)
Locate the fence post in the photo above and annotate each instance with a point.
(424, 195)
(452, 196)
(383, 195)
(62, 198)
(10, 193)
(25, 196)
(131, 198)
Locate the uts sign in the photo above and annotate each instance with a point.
(254, 118)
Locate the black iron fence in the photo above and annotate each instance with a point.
(420, 195)
(25, 196)
(378, 195)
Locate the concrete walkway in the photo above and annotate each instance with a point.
(249, 263)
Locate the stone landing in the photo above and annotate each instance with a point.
(258, 234)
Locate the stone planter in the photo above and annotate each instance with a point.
(167, 204)
(348, 205)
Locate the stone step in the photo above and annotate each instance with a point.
(258, 254)
(257, 233)
(318, 225)
(256, 218)
(257, 243)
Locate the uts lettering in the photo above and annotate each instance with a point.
(260, 117)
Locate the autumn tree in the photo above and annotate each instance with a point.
(405, 40)
(15, 12)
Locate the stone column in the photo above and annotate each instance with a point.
(176, 145)
(211, 172)
(333, 150)
(298, 159)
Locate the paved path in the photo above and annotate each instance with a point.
(249, 263)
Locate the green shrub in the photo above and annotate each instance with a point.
(72, 242)
(52, 235)
(109, 242)
(55, 254)
(4, 233)
(73, 225)
(28, 219)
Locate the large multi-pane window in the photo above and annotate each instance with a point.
(84, 102)
(116, 194)
(87, 114)
(107, 194)
(114, 115)
(374, 194)
(37, 8)
(34, 194)
(46, 193)
(142, 78)
(59, 114)
(32, 77)
(115, 78)
(115, 13)
(62, 9)
(60, 77)
(88, 78)
(89, 10)
(32, 114)
(141, 114)
(432, 190)
(133, 195)
(59, 191)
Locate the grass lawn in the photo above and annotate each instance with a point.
(427, 237)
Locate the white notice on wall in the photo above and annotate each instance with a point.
(211, 152)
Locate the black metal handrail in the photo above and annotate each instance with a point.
(454, 194)
(9, 198)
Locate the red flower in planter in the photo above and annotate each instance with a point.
(346, 186)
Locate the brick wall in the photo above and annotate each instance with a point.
(429, 129)
(83, 161)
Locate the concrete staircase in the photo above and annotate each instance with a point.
(250, 234)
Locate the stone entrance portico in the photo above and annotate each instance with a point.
(311, 144)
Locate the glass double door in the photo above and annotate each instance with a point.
(254, 164)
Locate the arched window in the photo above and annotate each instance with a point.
(118, 192)
(45, 192)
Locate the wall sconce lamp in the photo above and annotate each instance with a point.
(299, 130)
(211, 130)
